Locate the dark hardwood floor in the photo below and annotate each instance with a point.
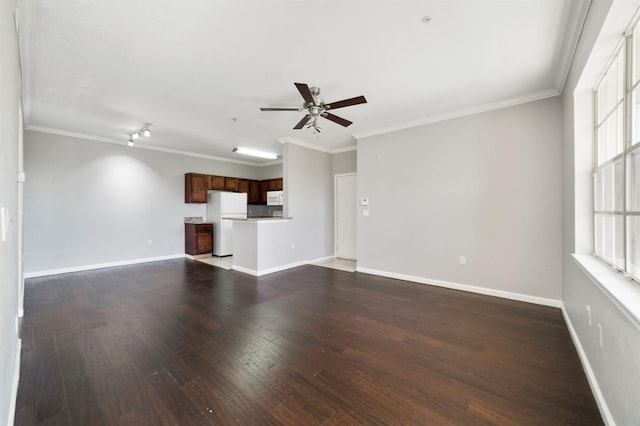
(182, 342)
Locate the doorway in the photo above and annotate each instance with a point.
(346, 202)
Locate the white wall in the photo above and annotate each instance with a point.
(90, 203)
(485, 186)
(615, 366)
(9, 154)
(308, 186)
(344, 162)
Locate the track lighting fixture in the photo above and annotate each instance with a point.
(144, 131)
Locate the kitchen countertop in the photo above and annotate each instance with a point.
(262, 218)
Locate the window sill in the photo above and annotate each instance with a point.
(623, 292)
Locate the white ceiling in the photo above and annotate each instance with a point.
(199, 70)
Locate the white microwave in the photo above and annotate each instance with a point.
(275, 198)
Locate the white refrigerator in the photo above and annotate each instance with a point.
(221, 208)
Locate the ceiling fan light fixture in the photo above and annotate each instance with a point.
(255, 153)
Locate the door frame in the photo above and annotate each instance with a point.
(335, 212)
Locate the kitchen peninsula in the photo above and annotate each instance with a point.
(261, 245)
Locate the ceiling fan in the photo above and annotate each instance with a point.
(315, 108)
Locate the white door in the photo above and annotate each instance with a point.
(346, 215)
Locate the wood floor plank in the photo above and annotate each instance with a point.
(182, 342)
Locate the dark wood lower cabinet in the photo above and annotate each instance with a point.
(198, 238)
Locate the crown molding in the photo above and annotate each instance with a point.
(569, 50)
(94, 138)
(461, 113)
(316, 147)
(26, 13)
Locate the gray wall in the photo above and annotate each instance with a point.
(615, 366)
(308, 189)
(89, 203)
(344, 162)
(485, 186)
(9, 158)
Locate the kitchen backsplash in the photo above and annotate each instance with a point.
(262, 210)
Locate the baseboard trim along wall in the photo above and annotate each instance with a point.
(268, 270)
(465, 287)
(15, 384)
(591, 378)
(100, 265)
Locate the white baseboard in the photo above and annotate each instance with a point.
(268, 270)
(100, 266)
(321, 259)
(591, 378)
(465, 287)
(245, 270)
(15, 384)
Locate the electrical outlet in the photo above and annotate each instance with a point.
(293, 246)
(149, 242)
(463, 260)
(589, 315)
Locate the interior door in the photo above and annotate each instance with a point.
(346, 216)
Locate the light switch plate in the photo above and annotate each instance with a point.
(365, 212)
(4, 218)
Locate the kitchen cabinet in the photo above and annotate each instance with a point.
(195, 188)
(215, 182)
(264, 187)
(254, 192)
(230, 184)
(243, 186)
(275, 184)
(198, 238)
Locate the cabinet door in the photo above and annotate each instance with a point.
(215, 182)
(264, 187)
(204, 242)
(254, 192)
(275, 184)
(243, 185)
(231, 184)
(195, 188)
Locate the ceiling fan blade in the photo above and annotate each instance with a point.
(302, 122)
(305, 92)
(280, 109)
(346, 102)
(341, 121)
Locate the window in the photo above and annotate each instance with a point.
(617, 159)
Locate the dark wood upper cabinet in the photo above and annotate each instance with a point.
(275, 184)
(215, 182)
(231, 184)
(195, 188)
(264, 187)
(254, 192)
(197, 184)
(243, 186)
